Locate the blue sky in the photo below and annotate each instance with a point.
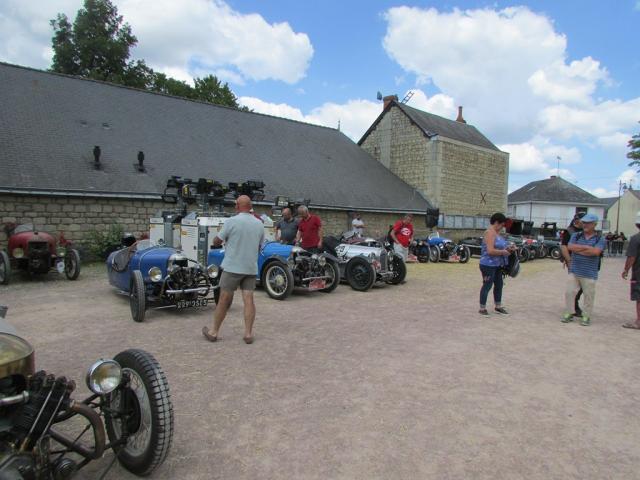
(542, 79)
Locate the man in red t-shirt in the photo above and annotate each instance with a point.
(402, 234)
(309, 230)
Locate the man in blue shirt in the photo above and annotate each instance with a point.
(586, 249)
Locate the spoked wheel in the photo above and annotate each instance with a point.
(523, 254)
(140, 411)
(399, 270)
(277, 280)
(465, 254)
(360, 274)
(555, 253)
(332, 271)
(5, 268)
(138, 297)
(434, 254)
(542, 252)
(72, 264)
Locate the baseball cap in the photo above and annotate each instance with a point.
(590, 218)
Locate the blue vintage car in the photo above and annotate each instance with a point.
(283, 267)
(159, 276)
(435, 248)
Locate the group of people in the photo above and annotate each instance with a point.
(582, 251)
(615, 243)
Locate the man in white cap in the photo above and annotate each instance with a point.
(586, 248)
(633, 264)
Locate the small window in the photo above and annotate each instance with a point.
(581, 210)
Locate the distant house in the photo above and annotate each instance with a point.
(450, 162)
(629, 206)
(553, 200)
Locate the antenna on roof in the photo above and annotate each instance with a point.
(558, 158)
(379, 95)
(407, 97)
(338, 124)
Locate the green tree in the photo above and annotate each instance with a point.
(98, 46)
(634, 154)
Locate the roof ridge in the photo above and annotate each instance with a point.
(140, 90)
(453, 122)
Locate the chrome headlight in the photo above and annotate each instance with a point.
(372, 256)
(212, 271)
(297, 249)
(155, 274)
(314, 256)
(104, 376)
(61, 251)
(322, 260)
(18, 253)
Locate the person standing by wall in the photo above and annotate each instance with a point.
(242, 235)
(574, 226)
(287, 228)
(402, 235)
(586, 247)
(633, 264)
(494, 254)
(309, 234)
(357, 224)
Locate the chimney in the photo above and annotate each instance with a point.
(388, 99)
(96, 157)
(460, 117)
(140, 165)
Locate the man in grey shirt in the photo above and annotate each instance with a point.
(242, 235)
(287, 228)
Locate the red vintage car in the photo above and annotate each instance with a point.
(37, 252)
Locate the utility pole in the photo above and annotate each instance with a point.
(558, 158)
(621, 187)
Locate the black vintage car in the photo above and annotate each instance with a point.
(129, 412)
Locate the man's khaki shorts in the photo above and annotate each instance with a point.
(231, 281)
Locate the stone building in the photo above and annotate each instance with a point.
(51, 124)
(450, 162)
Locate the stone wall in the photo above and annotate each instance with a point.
(76, 217)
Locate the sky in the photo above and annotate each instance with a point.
(547, 81)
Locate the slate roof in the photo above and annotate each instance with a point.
(49, 124)
(432, 125)
(553, 190)
(609, 201)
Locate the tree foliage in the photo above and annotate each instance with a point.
(634, 153)
(98, 46)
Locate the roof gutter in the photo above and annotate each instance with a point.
(158, 197)
(527, 202)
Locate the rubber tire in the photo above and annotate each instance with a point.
(464, 258)
(362, 263)
(421, 256)
(162, 422)
(289, 276)
(543, 252)
(532, 254)
(555, 253)
(523, 254)
(138, 289)
(75, 256)
(336, 274)
(434, 254)
(5, 265)
(402, 269)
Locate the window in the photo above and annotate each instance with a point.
(581, 210)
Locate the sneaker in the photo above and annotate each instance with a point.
(501, 310)
(586, 321)
(483, 311)
(567, 317)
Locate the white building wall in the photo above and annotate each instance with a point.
(539, 213)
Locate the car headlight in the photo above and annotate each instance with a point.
(155, 274)
(61, 251)
(297, 249)
(18, 253)
(104, 376)
(322, 260)
(212, 271)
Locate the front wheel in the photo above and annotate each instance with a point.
(399, 270)
(523, 254)
(434, 254)
(277, 280)
(332, 271)
(5, 268)
(360, 274)
(138, 297)
(555, 253)
(543, 252)
(72, 264)
(464, 255)
(141, 411)
(423, 255)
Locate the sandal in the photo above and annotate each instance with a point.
(248, 340)
(208, 336)
(632, 326)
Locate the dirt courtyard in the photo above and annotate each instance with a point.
(405, 382)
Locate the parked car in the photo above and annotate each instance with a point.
(155, 275)
(283, 267)
(474, 244)
(442, 249)
(36, 252)
(553, 247)
(365, 261)
(130, 405)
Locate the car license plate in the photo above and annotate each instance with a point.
(455, 258)
(60, 266)
(317, 284)
(200, 302)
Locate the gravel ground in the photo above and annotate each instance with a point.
(401, 382)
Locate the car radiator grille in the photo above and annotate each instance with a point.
(384, 261)
(38, 247)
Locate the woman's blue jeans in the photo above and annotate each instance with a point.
(491, 277)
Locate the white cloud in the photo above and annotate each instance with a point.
(539, 158)
(603, 192)
(181, 39)
(629, 176)
(438, 104)
(275, 109)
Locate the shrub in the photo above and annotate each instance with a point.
(101, 243)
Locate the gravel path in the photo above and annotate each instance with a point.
(404, 382)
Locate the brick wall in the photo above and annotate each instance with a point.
(76, 217)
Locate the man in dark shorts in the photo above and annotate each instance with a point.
(633, 264)
(287, 228)
(574, 226)
(242, 235)
(309, 231)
